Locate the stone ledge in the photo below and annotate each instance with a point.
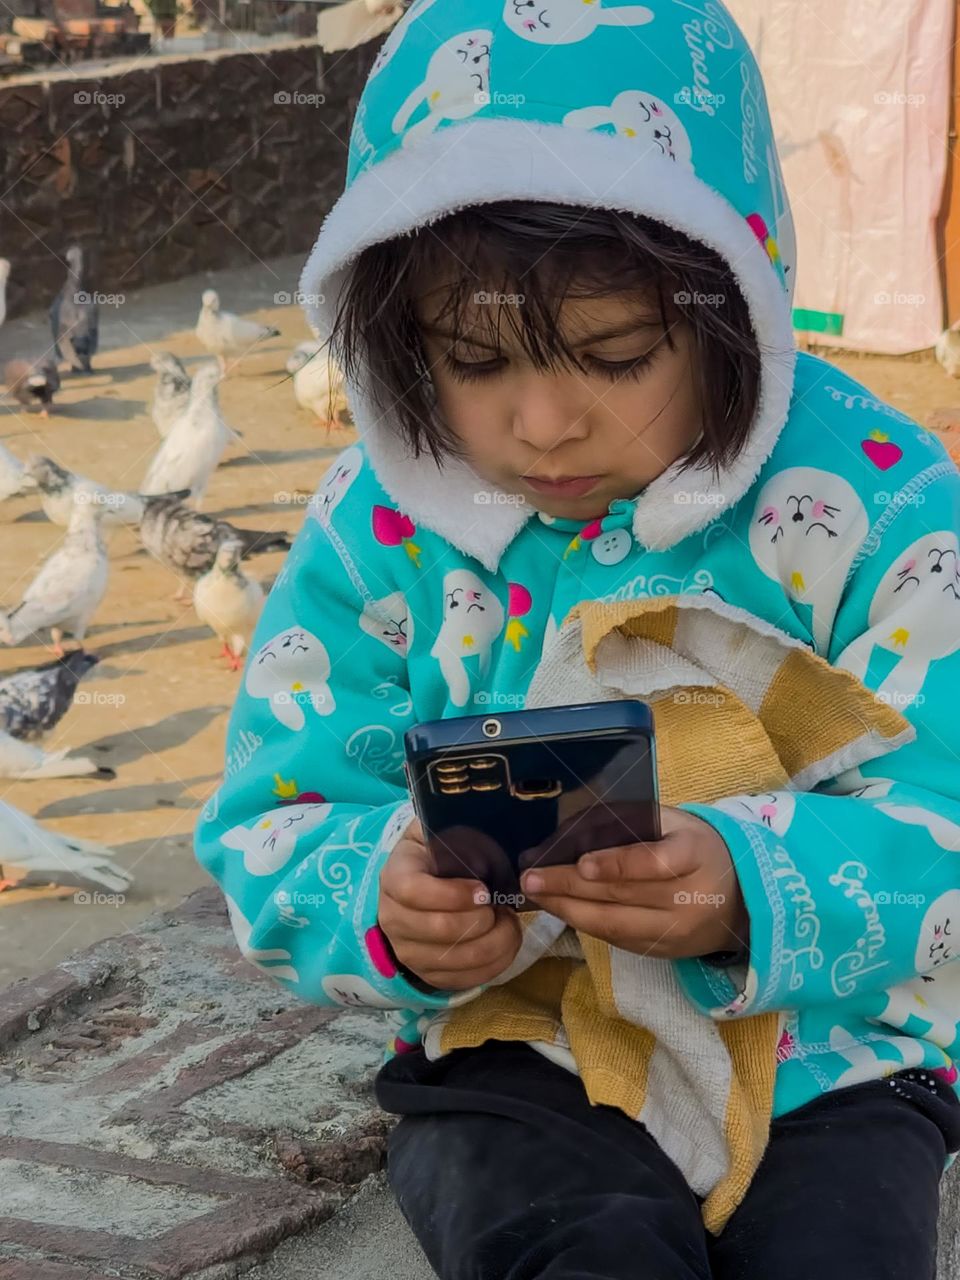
(189, 1113)
(170, 1113)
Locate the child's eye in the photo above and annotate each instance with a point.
(624, 368)
(471, 371)
(474, 371)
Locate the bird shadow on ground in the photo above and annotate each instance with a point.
(142, 798)
(31, 517)
(155, 640)
(110, 376)
(127, 745)
(103, 628)
(268, 508)
(273, 457)
(98, 408)
(105, 672)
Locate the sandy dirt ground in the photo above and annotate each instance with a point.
(155, 708)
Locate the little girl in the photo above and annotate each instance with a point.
(559, 282)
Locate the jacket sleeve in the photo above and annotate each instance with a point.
(854, 887)
(313, 799)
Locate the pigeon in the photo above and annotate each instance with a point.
(24, 762)
(74, 316)
(229, 602)
(4, 277)
(224, 333)
(58, 487)
(187, 541)
(172, 393)
(33, 382)
(195, 444)
(69, 586)
(948, 349)
(11, 474)
(34, 701)
(318, 384)
(35, 855)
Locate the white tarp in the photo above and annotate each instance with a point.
(355, 22)
(859, 94)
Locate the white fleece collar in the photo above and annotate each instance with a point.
(481, 161)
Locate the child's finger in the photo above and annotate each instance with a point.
(441, 927)
(665, 859)
(613, 922)
(462, 955)
(627, 875)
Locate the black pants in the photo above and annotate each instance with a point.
(505, 1171)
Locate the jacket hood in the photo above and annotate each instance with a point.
(658, 111)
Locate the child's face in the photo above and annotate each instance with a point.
(604, 433)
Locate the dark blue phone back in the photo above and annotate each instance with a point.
(497, 794)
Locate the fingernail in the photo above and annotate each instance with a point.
(532, 882)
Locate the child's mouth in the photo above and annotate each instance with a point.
(563, 486)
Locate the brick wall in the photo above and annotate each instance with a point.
(171, 167)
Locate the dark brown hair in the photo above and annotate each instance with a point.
(545, 253)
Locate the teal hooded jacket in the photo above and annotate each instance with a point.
(414, 593)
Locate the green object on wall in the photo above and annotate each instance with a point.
(817, 321)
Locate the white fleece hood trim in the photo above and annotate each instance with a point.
(485, 160)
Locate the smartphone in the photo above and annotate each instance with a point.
(499, 794)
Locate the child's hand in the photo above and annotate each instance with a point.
(434, 925)
(675, 897)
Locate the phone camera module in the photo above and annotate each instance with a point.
(491, 728)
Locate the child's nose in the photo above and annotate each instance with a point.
(550, 410)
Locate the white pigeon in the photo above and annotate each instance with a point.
(35, 855)
(4, 277)
(948, 349)
(58, 488)
(224, 333)
(25, 760)
(318, 384)
(195, 444)
(11, 474)
(71, 583)
(229, 602)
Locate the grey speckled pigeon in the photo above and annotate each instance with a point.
(187, 541)
(33, 701)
